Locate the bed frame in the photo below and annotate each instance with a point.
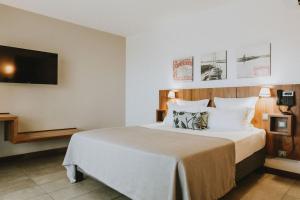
(254, 162)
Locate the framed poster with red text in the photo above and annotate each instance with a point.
(183, 69)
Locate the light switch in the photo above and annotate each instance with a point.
(265, 116)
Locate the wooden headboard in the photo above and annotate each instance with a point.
(264, 105)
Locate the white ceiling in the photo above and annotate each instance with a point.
(122, 17)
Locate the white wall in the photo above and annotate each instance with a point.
(228, 27)
(90, 93)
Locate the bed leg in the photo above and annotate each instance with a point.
(78, 175)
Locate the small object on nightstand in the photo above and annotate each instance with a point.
(281, 124)
(160, 115)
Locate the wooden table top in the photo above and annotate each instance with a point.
(7, 117)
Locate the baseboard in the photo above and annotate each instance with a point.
(50, 152)
(282, 173)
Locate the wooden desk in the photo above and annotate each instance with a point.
(10, 125)
(12, 134)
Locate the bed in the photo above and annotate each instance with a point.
(148, 162)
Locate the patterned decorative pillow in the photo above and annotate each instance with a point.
(189, 120)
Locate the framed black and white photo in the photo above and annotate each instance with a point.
(214, 66)
(254, 61)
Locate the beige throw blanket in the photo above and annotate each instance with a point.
(154, 164)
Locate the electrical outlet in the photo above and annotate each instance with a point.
(282, 154)
(265, 116)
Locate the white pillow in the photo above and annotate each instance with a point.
(201, 103)
(187, 107)
(231, 103)
(227, 119)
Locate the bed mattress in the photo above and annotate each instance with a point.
(247, 141)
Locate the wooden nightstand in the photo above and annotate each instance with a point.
(281, 124)
(160, 115)
(281, 128)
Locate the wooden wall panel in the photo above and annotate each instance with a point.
(198, 94)
(223, 92)
(264, 105)
(185, 94)
(163, 99)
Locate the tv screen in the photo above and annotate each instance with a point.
(27, 66)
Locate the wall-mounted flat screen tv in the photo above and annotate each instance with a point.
(27, 66)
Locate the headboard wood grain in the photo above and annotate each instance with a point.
(264, 105)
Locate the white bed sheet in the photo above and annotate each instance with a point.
(247, 141)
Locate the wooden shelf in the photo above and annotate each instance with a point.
(44, 135)
(286, 127)
(12, 134)
(7, 117)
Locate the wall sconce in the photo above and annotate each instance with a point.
(265, 92)
(171, 95)
(7, 68)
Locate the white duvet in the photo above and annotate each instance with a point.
(106, 161)
(246, 142)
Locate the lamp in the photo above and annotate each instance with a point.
(171, 95)
(265, 92)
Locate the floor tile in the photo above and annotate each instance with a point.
(294, 191)
(56, 185)
(47, 178)
(7, 165)
(11, 180)
(37, 164)
(42, 197)
(68, 193)
(16, 186)
(77, 189)
(288, 197)
(25, 194)
(264, 187)
(6, 168)
(100, 194)
(44, 170)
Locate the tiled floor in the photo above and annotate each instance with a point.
(45, 179)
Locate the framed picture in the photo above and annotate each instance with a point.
(214, 66)
(254, 61)
(183, 69)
